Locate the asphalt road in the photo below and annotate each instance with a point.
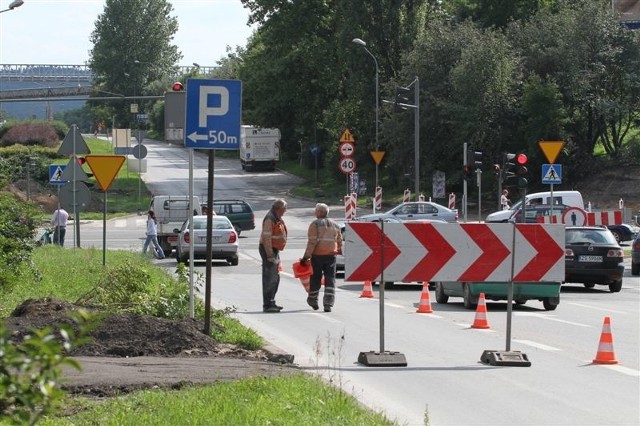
(444, 382)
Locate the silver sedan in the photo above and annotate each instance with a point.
(416, 210)
(223, 236)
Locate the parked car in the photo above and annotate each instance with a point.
(635, 256)
(239, 212)
(622, 232)
(547, 292)
(224, 240)
(593, 256)
(416, 210)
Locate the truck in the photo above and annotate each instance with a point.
(259, 148)
(171, 212)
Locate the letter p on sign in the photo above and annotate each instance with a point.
(205, 109)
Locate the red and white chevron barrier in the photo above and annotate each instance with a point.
(454, 252)
(575, 216)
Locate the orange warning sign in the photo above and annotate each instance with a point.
(347, 136)
(551, 149)
(105, 168)
(377, 156)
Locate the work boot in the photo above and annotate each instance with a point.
(327, 308)
(313, 303)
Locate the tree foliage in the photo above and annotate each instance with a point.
(132, 47)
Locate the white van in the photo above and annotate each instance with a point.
(566, 198)
(171, 212)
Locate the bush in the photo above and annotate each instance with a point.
(32, 133)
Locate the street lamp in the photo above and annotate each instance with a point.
(13, 5)
(360, 42)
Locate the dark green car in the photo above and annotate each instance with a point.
(239, 213)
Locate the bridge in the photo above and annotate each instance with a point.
(63, 80)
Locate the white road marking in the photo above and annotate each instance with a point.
(537, 345)
(120, 223)
(597, 308)
(623, 370)
(550, 318)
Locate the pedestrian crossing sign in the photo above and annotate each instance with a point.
(55, 174)
(551, 173)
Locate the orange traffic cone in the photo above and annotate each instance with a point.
(424, 307)
(480, 320)
(605, 353)
(303, 273)
(367, 290)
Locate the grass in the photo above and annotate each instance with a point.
(69, 274)
(296, 400)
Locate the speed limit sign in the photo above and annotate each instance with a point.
(347, 165)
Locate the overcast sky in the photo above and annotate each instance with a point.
(57, 31)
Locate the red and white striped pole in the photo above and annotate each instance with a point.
(406, 197)
(377, 202)
(354, 204)
(452, 201)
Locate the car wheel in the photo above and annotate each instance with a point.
(617, 235)
(615, 286)
(441, 297)
(234, 261)
(635, 269)
(589, 285)
(550, 303)
(468, 300)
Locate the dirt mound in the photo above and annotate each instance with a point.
(125, 334)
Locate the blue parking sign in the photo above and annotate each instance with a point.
(213, 112)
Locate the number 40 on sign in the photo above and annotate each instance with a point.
(347, 165)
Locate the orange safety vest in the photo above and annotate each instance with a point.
(278, 235)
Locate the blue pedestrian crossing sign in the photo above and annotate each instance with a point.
(55, 174)
(551, 173)
(213, 112)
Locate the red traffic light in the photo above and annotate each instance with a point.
(177, 87)
(521, 159)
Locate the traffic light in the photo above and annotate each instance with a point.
(402, 97)
(521, 170)
(467, 172)
(477, 159)
(508, 165)
(177, 87)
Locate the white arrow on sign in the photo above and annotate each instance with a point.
(195, 136)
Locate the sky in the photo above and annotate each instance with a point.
(58, 31)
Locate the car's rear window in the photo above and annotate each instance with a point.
(589, 236)
(217, 223)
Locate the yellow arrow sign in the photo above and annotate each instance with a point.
(105, 168)
(551, 149)
(347, 136)
(377, 156)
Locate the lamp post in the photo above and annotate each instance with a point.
(360, 42)
(13, 5)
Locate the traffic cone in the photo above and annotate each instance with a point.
(605, 353)
(480, 320)
(424, 307)
(367, 290)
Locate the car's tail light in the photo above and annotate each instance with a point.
(636, 245)
(187, 237)
(232, 237)
(615, 253)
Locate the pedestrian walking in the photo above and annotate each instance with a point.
(59, 223)
(504, 200)
(324, 241)
(273, 239)
(152, 235)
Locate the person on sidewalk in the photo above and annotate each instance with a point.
(273, 239)
(505, 203)
(59, 223)
(152, 235)
(324, 241)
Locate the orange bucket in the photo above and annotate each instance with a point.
(302, 271)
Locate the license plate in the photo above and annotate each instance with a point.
(590, 259)
(202, 239)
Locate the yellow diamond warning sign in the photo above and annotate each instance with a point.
(347, 136)
(551, 149)
(105, 168)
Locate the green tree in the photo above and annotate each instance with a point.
(132, 47)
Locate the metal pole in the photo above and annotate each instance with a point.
(191, 206)
(464, 183)
(416, 131)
